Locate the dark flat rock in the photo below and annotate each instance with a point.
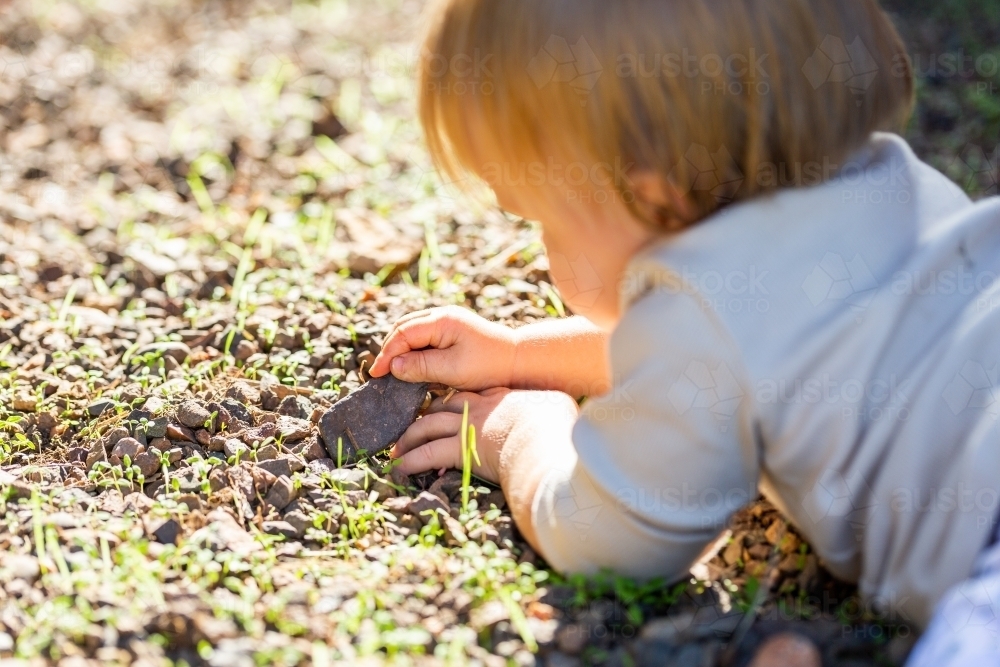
(100, 406)
(372, 417)
(237, 410)
(152, 427)
(167, 532)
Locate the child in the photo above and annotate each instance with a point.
(775, 294)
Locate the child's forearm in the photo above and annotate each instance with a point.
(568, 355)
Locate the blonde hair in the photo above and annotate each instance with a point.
(726, 99)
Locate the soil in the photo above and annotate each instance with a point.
(210, 215)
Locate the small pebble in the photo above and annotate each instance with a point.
(193, 414)
(282, 492)
(129, 447)
(24, 402)
(148, 463)
(280, 467)
(114, 435)
(96, 454)
(299, 521)
(279, 528)
(245, 349)
(100, 406)
(242, 392)
(267, 453)
(234, 447)
(21, 566)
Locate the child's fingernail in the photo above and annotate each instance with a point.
(397, 365)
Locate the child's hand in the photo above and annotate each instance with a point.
(465, 350)
(506, 421)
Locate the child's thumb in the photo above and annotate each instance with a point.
(422, 366)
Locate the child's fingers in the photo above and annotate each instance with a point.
(391, 348)
(425, 366)
(381, 364)
(415, 315)
(426, 429)
(444, 453)
(425, 331)
(394, 344)
(455, 403)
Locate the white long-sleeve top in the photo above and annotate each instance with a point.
(835, 347)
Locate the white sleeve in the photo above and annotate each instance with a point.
(664, 459)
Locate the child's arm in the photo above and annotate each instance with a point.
(520, 437)
(568, 355)
(456, 347)
(642, 478)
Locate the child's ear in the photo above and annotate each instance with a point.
(659, 200)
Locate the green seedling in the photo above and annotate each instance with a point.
(467, 436)
(165, 466)
(557, 309)
(64, 309)
(250, 238)
(518, 620)
(424, 271)
(432, 531)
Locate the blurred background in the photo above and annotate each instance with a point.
(247, 177)
(171, 120)
(955, 49)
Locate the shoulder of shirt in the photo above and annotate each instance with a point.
(653, 265)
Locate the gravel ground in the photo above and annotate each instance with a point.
(210, 214)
